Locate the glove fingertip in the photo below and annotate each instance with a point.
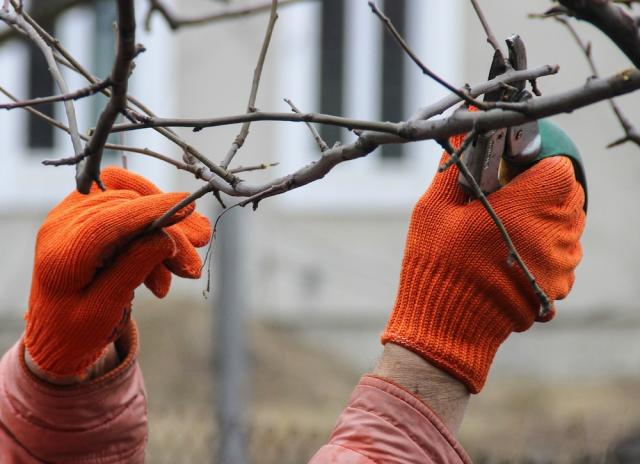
(197, 228)
(159, 281)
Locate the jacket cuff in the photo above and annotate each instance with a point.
(383, 422)
(102, 420)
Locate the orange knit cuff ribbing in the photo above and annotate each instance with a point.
(127, 348)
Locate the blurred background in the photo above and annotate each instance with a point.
(261, 365)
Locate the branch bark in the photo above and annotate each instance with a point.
(18, 21)
(631, 134)
(612, 20)
(88, 170)
(199, 124)
(48, 9)
(322, 145)
(175, 22)
(461, 121)
(592, 91)
(78, 94)
(73, 64)
(463, 94)
(491, 38)
(257, 74)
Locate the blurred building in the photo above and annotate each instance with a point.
(323, 260)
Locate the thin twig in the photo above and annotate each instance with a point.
(20, 22)
(316, 136)
(487, 29)
(81, 93)
(455, 155)
(164, 219)
(459, 122)
(257, 167)
(512, 75)
(198, 171)
(231, 12)
(45, 10)
(199, 124)
(463, 94)
(165, 132)
(545, 304)
(631, 133)
(612, 20)
(257, 73)
(88, 170)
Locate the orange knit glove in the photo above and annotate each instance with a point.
(458, 298)
(91, 254)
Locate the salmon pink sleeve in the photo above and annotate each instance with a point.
(384, 423)
(101, 421)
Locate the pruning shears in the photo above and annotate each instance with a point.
(495, 157)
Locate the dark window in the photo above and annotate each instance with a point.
(104, 50)
(40, 82)
(103, 47)
(393, 73)
(41, 134)
(332, 65)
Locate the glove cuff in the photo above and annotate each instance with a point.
(454, 320)
(62, 355)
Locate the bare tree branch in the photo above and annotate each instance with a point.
(612, 20)
(463, 94)
(199, 124)
(257, 167)
(81, 93)
(88, 170)
(175, 22)
(167, 133)
(257, 73)
(454, 156)
(631, 133)
(198, 171)
(19, 21)
(322, 145)
(46, 10)
(487, 29)
(592, 91)
(461, 121)
(447, 102)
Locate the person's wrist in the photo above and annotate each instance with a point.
(444, 394)
(451, 319)
(107, 362)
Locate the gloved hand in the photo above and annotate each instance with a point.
(92, 252)
(458, 298)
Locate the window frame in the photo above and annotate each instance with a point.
(27, 184)
(372, 183)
